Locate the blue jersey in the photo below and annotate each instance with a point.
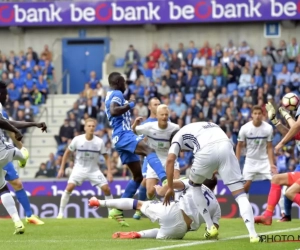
(121, 123)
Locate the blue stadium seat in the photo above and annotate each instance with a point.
(35, 109)
(291, 67)
(277, 67)
(231, 87)
(119, 63)
(21, 107)
(148, 73)
(143, 60)
(189, 97)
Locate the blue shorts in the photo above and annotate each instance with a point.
(145, 167)
(11, 172)
(126, 144)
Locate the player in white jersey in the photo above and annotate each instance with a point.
(88, 148)
(256, 136)
(158, 138)
(175, 220)
(213, 151)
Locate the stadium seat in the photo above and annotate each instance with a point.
(188, 98)
(231, 87)
(21, 107)
(143, 61)
(148, 73)
(291, 67)
(35, 109)
(119, 63)
(277, 67)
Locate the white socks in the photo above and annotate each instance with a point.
(122, 204)
(108, 197)
(246, 213)
(150, 233)
(201, 204)
(10, 206)
(63, 202)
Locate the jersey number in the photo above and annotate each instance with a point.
(207, 197)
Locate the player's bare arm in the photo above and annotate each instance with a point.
(18, 144)
(63, 163)
(108, 165)
(161, 190)
(271, 157)
(6, 125)
(136, 123)
(21, 125)
(117, 110)
(289, 136)
(170, 173)
(239, 148)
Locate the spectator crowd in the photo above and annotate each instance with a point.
(219, 84)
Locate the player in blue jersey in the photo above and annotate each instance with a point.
(128, 145)
(152, 106)
(12, 177)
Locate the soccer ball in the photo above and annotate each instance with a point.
(290, 101)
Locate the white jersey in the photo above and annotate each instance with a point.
(197, 135)
(186, 203)
(3, 143)
(157, 138)
(256, 139)
(87, 153)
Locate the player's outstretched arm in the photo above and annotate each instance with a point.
(161, 190)
(21, 125)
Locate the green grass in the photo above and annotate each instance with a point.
(90, 234)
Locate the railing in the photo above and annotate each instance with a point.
(57, 86)
(31, 130)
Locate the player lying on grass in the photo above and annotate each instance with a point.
(175, 220)
(291, 180)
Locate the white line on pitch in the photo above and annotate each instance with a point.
(225, 239)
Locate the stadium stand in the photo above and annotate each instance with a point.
(198, 84)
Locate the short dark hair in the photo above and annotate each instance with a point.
(173, 134)
(211, 183)
(256, 107)
(2, 85)
(113, 78)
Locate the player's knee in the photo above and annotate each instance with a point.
(289, 194)
(106, 190)
(150, 193)
(16, 184)
(278, 179)
(138, 178)
(4, 190)
(70, 187)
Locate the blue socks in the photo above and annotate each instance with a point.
(142, 193)
(155, 163)
(131, 189)
(287, 206)
(23, 199)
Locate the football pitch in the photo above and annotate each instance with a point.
(90, 234)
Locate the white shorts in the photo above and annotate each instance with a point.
(170, 219)
(152, 175)
(9, 155)
(257, 170)
(96, 178)
(2, 178)
(217, 156)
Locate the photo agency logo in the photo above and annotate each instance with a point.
(278, 238)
